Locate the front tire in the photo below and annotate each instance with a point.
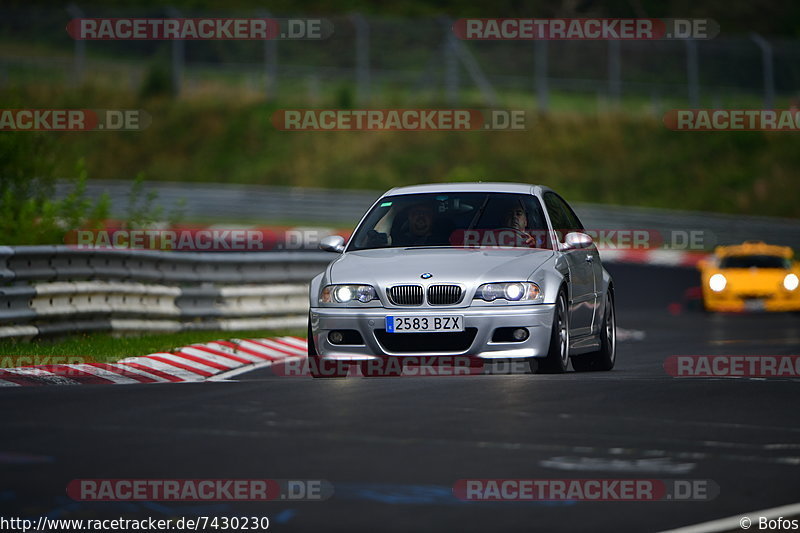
(605, 358)
(557, 360)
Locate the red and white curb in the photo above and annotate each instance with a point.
(196, 362)
(669, 258)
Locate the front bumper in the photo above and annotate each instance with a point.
(538, 319)
(736, 303)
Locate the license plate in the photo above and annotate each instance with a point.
(423, 324)
(754, 305)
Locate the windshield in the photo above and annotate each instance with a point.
(755, 261)
(467, 219)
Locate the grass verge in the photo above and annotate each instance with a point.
(107, 348)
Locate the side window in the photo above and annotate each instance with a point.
(574, 221)
(558, 217)
(559, 210)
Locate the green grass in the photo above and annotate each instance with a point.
(107, 348)
(624, 156)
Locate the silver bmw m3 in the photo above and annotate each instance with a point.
(481, 270)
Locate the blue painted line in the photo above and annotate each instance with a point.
(284, 516)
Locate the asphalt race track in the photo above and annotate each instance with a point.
(394, 447)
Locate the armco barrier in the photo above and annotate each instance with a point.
(47, 290)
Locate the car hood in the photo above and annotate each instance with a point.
(459, 265)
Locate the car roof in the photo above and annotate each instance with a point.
(469, 186)
(753, 248)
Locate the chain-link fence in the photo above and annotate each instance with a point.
(404, 62)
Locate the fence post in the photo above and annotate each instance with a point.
(540, 67)
(614, 70)
(79, 59)
(451, 81)
(362, 58)
(177, 57)
(692, 77)
(270, 62)
(767, 69)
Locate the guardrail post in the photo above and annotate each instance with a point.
(540, 66)
(362, 58)
(177, 57)
(79, 57)
(767, 70)
(451, 78)
(692, 76)
(270, 63)
(614, 72)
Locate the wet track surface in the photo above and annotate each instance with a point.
(394, 447)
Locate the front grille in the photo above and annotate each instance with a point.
(444, 294)
(405, 294)
(456, 342)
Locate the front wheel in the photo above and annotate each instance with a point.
(606, 356)
(557, 360)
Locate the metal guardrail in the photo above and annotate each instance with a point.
(345, 207)
(47, 290)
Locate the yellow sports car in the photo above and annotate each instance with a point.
(751, 276)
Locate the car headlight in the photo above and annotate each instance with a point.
(790, 282)
(343, 294)
(717, 282)
(515, 291)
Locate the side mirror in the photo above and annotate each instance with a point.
(576, 240)
(332, 243)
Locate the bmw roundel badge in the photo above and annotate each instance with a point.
(426, 275)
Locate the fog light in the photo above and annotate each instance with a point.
(336, 337)
(520, 334)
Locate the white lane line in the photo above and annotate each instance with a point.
(601, 464)
(737, 522)
(630, 334)
(263, 364)
(236, 371)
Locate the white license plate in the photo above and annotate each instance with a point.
(421, 324)
(754, 305)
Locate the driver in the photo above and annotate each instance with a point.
(420, 225)
(516, 218)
